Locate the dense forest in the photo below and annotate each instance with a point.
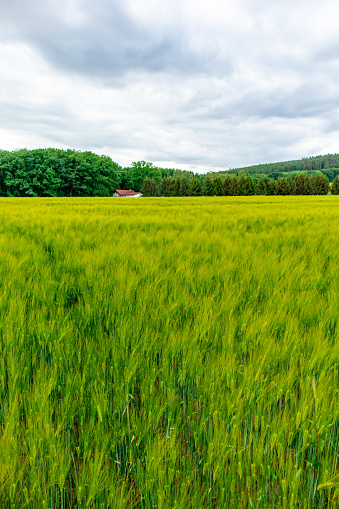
(54, 172)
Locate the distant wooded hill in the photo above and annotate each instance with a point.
(326, 162)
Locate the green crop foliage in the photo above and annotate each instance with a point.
(169, 352)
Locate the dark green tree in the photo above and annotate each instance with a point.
(226, 186)
(149, 187)
(249, 186)
(335, 185)
(195, 188)
(175, 186)
(301, 184)
(208, 187)
(270, 187)
(184, 186)
(217, 186)
(262, 186)
(282, 186)
(170, 186)
(245, 186)
(166, 186)
(319, 184)
(233, 189)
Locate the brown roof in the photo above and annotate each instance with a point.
(124, 192)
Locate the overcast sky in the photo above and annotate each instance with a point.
(190, 84)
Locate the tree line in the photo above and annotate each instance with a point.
(240, 185)
(55, 172)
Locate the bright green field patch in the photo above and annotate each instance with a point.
(169, 353)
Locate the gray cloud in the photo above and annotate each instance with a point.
(107, 40)
(181, 83)
(306, 101)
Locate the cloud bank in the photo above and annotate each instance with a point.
(183, 84)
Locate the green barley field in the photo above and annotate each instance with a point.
(169, 353)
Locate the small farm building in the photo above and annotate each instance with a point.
(122, 193)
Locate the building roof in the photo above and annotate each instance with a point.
(124, 192)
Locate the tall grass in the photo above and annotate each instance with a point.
(169, 353)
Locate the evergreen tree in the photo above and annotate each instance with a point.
(319, 184)
(245, 186)
(166, 186)
(226, 186)
(261, 187)
(217, 186)
(301, 184)
(335, 185)
(282, 186)
(175, 187)
(249, 186)
(208, 187)
(149, 187)
(184, 186)
(270, 187)
(195, 188)
(233, 189)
